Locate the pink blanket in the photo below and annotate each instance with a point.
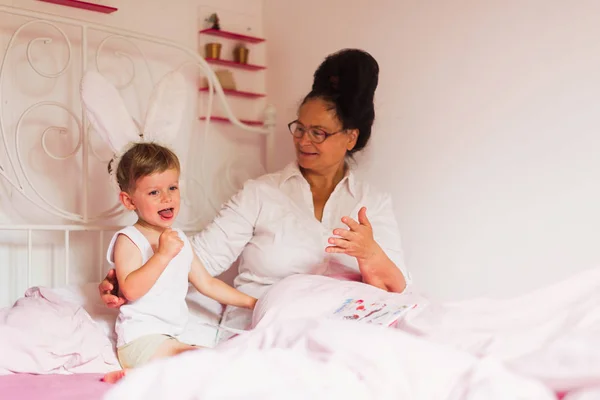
(43, 334)
(53, 387)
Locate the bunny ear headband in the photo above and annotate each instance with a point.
(109, 116)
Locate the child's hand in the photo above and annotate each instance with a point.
(169, 243)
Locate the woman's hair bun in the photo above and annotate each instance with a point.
(350, 71)
(347, 79)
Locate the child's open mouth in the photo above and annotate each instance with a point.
(167, 213)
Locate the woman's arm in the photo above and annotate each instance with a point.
(380, 271)
(217, 289)
(375, 242)
(224, 239)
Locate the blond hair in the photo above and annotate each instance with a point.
(141, 160)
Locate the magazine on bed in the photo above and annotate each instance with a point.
(378, 313)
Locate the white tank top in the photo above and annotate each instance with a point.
(163, 309)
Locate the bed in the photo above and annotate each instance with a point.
(57, 336)
(58, 210)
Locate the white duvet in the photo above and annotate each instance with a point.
(531, 347)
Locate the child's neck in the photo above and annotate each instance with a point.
(149, 227)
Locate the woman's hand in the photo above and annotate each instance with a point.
(109, 289)
(357, 241)
(375, 266)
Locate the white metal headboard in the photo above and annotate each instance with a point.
(27, 33)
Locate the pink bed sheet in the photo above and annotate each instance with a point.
(53, 387)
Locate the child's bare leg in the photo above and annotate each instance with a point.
(172, 347)
(168, 348)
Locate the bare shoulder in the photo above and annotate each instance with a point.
(126, 252)
(124, 243)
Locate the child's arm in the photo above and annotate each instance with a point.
(135, 279)
(217, 289)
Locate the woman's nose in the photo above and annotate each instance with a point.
(305, 139)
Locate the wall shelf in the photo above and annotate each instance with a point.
(84, 5)
(238, 93)
(234, 64)
(232, 35)
(227, 121)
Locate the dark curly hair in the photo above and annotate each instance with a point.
(347, 80)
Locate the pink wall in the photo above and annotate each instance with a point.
(176, 20)
(487, 132)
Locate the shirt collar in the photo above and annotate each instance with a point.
(288, 172)
(292, 170)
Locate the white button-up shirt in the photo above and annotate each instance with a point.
(270, 225)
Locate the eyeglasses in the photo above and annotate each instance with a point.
(315, 135)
